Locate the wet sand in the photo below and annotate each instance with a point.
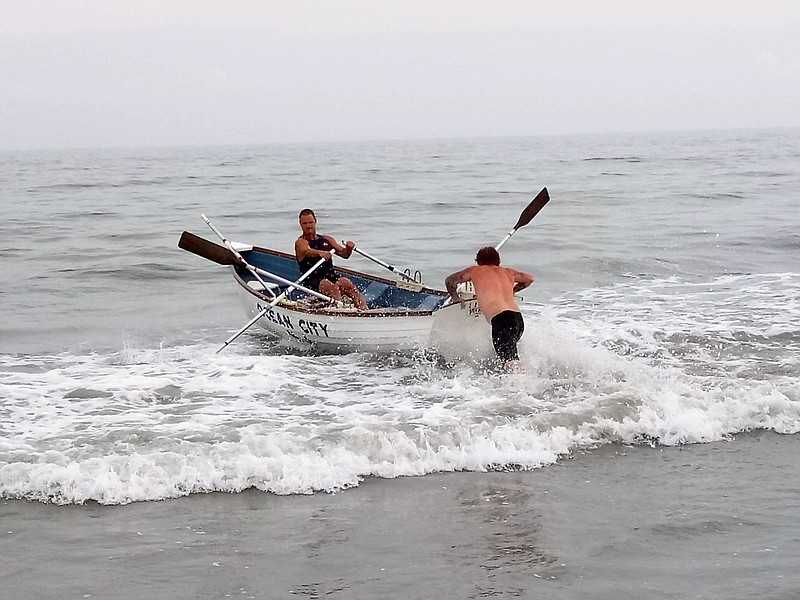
(704, 521)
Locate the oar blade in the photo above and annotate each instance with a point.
(208, 250)
(533, 208)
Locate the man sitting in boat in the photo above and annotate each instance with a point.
(495, 287)
(310, 247)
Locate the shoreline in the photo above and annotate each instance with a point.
(713, 520)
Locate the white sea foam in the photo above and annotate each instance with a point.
(602, 366)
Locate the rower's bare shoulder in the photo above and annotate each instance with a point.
(461, 276)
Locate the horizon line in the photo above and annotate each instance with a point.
(365, 140)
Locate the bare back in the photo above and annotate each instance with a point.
(494, 289)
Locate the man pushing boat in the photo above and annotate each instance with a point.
(495, 287)
(310, 247)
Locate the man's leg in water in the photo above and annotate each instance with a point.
(507, 328)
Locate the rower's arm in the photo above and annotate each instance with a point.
(452, 281)
(522, 280)
(302, 250)
(344, 251)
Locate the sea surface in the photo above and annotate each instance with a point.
(665, 311)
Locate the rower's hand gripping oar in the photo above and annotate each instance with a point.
(527, 215)
(269, 306)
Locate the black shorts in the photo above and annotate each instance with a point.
(507, 328)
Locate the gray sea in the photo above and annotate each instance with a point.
(662, 353)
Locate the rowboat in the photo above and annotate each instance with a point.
(402, 315)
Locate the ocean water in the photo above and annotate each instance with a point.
(666, 310)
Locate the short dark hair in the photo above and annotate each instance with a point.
(306, 211)
(488, 256)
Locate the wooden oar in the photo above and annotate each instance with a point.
(542, 198)
(216, 253)
(202, 247)
(527, 215)
(269, 306)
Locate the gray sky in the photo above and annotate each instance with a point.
(153, 72)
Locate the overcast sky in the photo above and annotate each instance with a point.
(100, 73)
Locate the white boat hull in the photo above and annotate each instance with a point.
(454, 331)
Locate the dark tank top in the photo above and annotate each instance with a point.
(325, 271)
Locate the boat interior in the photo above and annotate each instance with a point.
(382, 295)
